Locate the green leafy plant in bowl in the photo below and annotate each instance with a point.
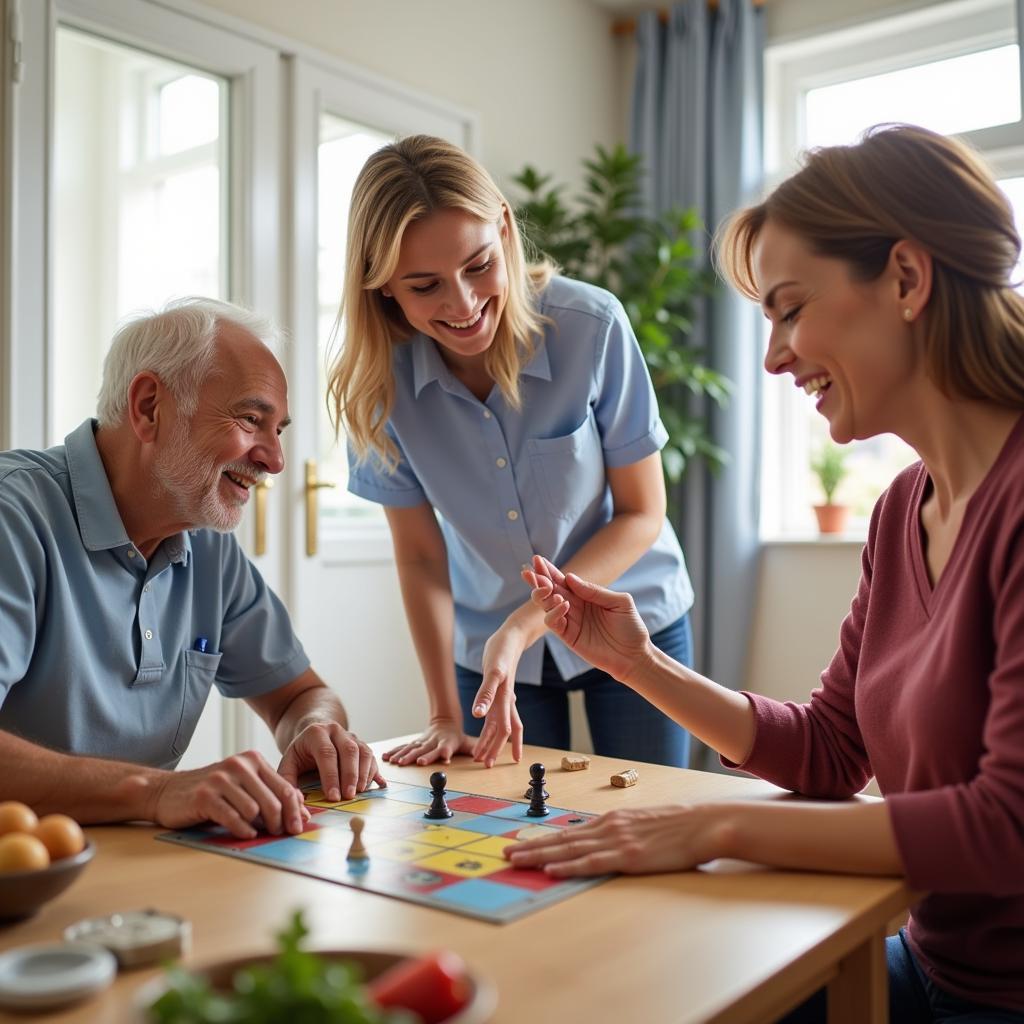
(337, 987)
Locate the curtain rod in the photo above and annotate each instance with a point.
(627, 26)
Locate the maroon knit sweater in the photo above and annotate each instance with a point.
(926, 693)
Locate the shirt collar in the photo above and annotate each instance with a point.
(99, 520)
(427, 364)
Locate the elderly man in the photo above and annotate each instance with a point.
(124, 597)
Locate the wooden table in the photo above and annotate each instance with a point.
(730, 943)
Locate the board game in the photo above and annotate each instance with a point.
(453, 865)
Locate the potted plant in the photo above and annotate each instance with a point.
(654, 267)
(829, 466)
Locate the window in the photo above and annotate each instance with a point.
(954, 68)
(140, 179)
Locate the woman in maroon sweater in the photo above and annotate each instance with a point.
(885, 269)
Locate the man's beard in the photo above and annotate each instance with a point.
(191, 483)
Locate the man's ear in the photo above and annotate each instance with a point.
(147, 403)
(911, 268)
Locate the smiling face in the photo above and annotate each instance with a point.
(451, 283)
(845, 342)
(206, 466)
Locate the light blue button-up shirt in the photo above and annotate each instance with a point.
(509, 483)
(98, 646)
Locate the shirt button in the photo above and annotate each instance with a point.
(148, 634)
(500, 463)
(487, 414)
(512, 514)
(131, 553)
(145, 589)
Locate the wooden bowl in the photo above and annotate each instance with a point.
(478, 1010)
(22, 893)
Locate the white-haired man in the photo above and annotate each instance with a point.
(124, 597)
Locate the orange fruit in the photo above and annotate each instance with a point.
(61, 835)
(20, 852)
(16, 817)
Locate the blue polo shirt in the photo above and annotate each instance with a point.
(508, 483)
(97, 645)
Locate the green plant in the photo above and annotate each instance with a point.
(297, 986)
(653, 267)
(829, 466)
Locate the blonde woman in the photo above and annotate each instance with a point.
(886, 271)
(497, 410)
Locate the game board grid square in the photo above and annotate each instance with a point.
(570, 820)
(518, 811)
(480, 895)
(381, 808)
(525, 878)
(446, 837)
(458, 862)
(492, 846)
(477, 804)
(490, 826)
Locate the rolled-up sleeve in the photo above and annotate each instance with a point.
(371, 480)
(626, 407)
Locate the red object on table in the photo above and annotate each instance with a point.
(434, 985)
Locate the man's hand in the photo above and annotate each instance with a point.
(234, 793)
(346, 765)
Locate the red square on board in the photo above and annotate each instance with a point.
(524, 878)
(478, 804)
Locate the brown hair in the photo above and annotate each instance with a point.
(400, 183)
(855, 202)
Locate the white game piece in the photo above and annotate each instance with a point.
(357, 851)
(575, 762)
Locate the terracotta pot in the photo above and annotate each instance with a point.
(832, 518)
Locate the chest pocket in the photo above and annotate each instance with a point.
(200, 672)
(569, 471)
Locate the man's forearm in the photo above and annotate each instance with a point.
(317, 705)
(89, 789)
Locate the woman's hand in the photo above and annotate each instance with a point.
(495, 701)
(636, 842)
(601, 626)
(441, 741)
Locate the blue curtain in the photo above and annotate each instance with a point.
(697, 123)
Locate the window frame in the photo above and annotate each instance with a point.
(795, 66)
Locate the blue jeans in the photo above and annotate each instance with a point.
(622, 724)
(913, 998)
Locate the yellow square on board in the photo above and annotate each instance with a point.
(466, 865)
(379, 808)
(492, 846)
(403, 850)
(441, 835)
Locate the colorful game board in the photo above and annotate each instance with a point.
(454, 865)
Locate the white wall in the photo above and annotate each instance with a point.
(540, 74)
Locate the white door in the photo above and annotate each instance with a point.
(143, 161)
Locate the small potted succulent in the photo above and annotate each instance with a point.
(829, 466)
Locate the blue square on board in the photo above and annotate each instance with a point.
(480, 894)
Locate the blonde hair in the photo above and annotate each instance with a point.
(401, 183)
(902, 182)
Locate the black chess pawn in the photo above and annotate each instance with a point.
(538, 808)
(438, 806)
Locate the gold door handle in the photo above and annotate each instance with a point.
(261, 515)
(312, 486)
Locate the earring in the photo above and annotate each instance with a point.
(908, 314)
